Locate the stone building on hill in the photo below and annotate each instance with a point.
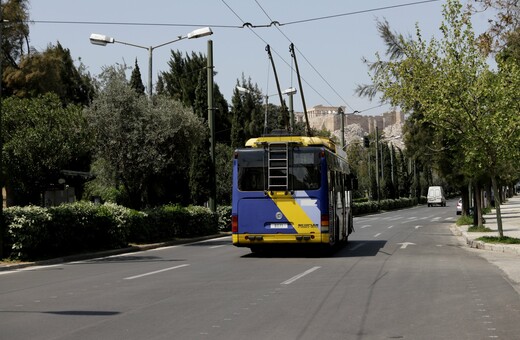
(327, 117)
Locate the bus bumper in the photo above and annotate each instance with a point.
(248, 240)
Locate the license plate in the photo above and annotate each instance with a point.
(279, 226)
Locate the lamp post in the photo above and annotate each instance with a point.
(342, 113)
(211, 123)
(266, 101)
(290, 92)
(2, 226)
(103, 40)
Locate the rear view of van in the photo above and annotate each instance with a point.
(436, 196)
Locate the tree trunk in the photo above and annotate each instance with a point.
(465, 200)
(477, 207)
(497, 205)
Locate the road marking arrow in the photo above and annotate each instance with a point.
(406, 244)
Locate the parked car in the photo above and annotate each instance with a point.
(459, 207)
(436, 196)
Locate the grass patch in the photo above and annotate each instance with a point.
(498, 239)
(479, 229)
(465, 220)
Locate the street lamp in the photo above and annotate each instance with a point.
(342, 113)
(103, 40)
(290, 92)
(266, 98)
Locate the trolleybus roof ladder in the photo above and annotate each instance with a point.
(278, 166)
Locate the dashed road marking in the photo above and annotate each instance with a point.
(155, 272)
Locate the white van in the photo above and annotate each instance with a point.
(436, 196)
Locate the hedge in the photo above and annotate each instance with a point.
(38, 233)
(361, 208)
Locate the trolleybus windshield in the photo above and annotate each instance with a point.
(304, 169)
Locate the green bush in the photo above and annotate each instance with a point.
(464, 220)
(498, 239)
(361, 208)
(36, 233)
(201, 221)
(169, 222)
(479, 229)
(224, 218)
(29, 231)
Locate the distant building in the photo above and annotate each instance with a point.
(326, 117)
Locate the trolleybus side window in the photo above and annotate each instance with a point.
(251, 174)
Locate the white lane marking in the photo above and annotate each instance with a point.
(376, 235)
(418, 226)
(390, 227)
(406, 244)
(155, 272)
(299, 276)
(222, 245)
(365, 226)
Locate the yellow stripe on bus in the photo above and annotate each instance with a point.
(294, 213)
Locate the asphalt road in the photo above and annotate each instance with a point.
(403, 275)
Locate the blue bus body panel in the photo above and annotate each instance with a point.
(262, 215)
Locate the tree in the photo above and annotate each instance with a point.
(186, 81)
(417, 134)
(41, 137)
(224, 167)
(459, 96)
(136, 81)
(50, 71)
(144, 147)
(248, 111)
(15, 31)
(503, 28)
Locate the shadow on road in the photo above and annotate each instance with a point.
(352, 249)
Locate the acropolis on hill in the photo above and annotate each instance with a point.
(356, 125)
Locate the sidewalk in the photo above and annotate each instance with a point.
(510, 211)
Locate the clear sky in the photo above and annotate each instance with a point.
(329, 51)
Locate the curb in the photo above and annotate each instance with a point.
(105, 253)
(475, 244)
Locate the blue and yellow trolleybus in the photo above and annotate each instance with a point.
(291, 190)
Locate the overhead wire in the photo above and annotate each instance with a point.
(244, 23)
(274, 50)
(358, 12)
(126, 23)
(307, 60)
(250, 28)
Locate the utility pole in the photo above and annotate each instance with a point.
(377, 163)
(342, 117)
(211, 123)
(2, 224)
